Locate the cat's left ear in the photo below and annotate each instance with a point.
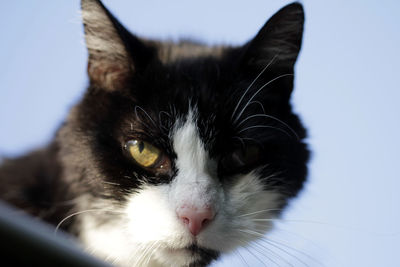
(114, 53)
(279, 40)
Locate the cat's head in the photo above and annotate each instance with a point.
(187, 151)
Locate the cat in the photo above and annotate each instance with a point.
(178, 152)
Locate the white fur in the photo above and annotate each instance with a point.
(149, 232)
(196, 183)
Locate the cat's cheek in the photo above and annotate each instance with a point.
(153, 223)
(152, 219)
(248, 213)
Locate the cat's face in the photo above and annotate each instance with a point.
(179, 151)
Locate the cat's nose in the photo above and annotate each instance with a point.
(195, 218)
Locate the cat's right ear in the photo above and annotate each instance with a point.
(114, 54)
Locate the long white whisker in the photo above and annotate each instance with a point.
(138, 107)
(270, 117)
(275, 244)
(259, 103)
(284, 251)
(297, 235)
(301, 221)
(255, 233)
(248, 88)
(80, 212)
(259, 90)
(264, 126)
(133, 258)
(274, 253)
(152, 250)
(268, 240)
(237, 252)
(255, 256)
(259, 211)
(244, 244)
(144, 253)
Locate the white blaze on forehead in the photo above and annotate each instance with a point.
(194, 184)
(189, 147)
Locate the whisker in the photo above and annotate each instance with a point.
(143, 256)
(138, 107)
(264, 126)
(164, 112)
(303, 221)
(259, 103)
(270, 117)
(297, 235)
(267, 239)
(270, 251)
(284, 251)
(133, 259)
(255, 256)
(251, 84)
(161, 121)
(256, 212)
(104, 182)
(244, 244)
(259, 90)
(255, 233)
(81, 212)
(152, 250)
(247, 138)
(237, 252)
(277, 244)
(149, 252)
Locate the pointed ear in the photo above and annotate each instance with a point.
(110, 63)
(279, 39)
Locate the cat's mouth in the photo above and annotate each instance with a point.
(195, 249)
(201, 256)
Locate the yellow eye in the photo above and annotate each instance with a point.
(143, 153)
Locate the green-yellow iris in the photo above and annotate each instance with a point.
(143, 153)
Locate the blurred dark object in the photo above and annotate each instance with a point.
(26, 241)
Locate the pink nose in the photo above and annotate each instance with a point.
(195, 218)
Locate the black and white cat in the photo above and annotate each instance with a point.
(178, 152)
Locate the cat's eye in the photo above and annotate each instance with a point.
(148, 157)
(144, 153)
(240, 159)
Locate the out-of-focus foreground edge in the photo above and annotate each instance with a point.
(25, 241)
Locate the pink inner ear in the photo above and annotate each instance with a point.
(109, 75)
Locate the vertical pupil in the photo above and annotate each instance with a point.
(141, 146)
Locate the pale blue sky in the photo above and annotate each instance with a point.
(347, 92)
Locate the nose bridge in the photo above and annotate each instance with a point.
(193, 184)
(196, 189)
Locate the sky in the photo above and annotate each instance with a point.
(346, 92)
